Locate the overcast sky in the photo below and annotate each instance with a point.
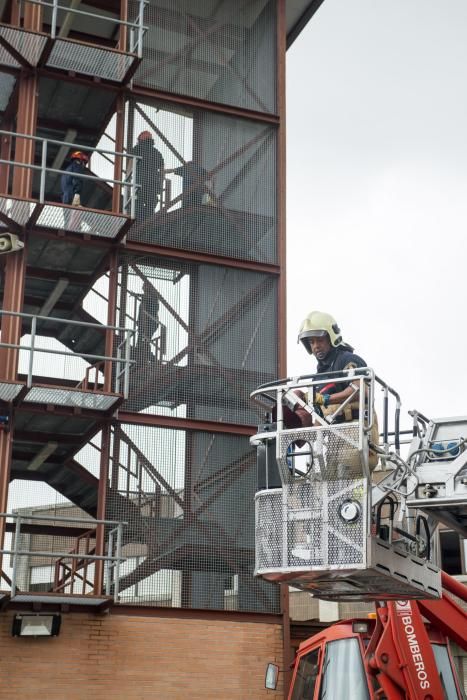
(377, 190)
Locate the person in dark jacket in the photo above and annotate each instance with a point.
(149, 176)
(321, 337)
(71, 185)
(194, 187)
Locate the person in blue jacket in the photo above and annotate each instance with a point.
(71, 185)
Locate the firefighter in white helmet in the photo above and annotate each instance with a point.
(321, 336)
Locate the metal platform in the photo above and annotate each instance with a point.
(330, 558)
(16, 213)
(48, 600)
(81, 381)
(320, 531)
(23, 48)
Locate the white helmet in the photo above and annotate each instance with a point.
(316, 325)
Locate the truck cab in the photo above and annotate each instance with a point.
(335, 664)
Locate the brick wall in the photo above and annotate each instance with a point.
(121, 657)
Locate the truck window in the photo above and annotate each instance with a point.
(445, 671)
(343, 674)
(305, 678)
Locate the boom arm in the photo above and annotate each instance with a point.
(445, 614)
(400, 654)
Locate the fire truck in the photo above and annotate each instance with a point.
(329, 523)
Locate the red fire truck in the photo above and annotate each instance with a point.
(395, 656)
(326, 525)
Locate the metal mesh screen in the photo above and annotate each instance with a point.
(6, 59)
(9, 391)
(81, 221)
(308, 531)
(188, 499)
(90, 60)
(16, 209)
(219, 51)
(207, 182)
(205, 337)
(26, 43)
(69, 397)
(269, 532)
(7, 83)
(321, 452)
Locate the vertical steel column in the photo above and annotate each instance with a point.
(123, 36)
(101, 507)
(119, 145)
(282, 298)
(5, 154)
(15, 263)
(110, 368)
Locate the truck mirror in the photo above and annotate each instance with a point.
(272, 674)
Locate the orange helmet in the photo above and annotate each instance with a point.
(145, 136)
(80, 155)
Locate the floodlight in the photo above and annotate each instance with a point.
(10, 243)
(36, 625)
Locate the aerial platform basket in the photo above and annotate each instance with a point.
(317, 527)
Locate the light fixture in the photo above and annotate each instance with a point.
(36, 625)
(360, 627)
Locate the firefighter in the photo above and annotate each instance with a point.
(321, 336)
(71, 183)
(149, 175)
(147, 322)
(194, 184)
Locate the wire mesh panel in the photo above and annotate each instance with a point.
(269, 530)
(6, 59)
(90, 60)
(81, 221)
(219, 51)
(205, 336)
(7, 83)
(303, 528)
(188, 501)
(17, 210)
(207, 181)
(28, 44)
(323, 453)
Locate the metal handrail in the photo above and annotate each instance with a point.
(129, 183)
(62, 519)
(122, 360)
(270, 391)
(109, 560)
(137, 27)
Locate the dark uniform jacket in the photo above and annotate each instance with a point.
(336, 360)
(71, 185)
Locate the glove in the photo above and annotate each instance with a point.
(290, 399)
(322, 400)
(76, 200)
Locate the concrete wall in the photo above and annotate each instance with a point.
(137, 658)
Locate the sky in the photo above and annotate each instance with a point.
(376, 191)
